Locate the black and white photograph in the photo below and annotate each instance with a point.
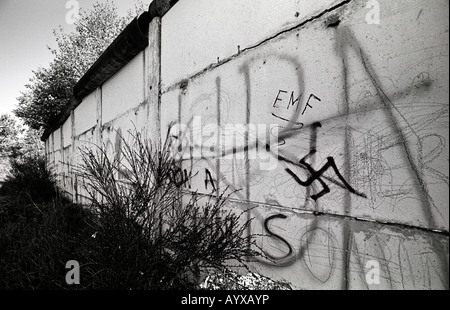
(224, 152)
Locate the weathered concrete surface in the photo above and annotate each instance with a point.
(124, 90)
(352, 95)
(67, 133)
(85, 115)
(326, 252)
(371, 99)
(57, 139)
(232, 26)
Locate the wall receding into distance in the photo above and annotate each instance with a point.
(330, 130)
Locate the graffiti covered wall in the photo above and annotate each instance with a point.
(332, 132)
(327, 124)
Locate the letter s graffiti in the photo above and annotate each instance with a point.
(272, 234)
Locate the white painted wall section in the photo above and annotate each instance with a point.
(123, 91)
(189, 46)
(85, 114)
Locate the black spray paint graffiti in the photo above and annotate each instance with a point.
(181, 177)
(315, 175)
(345, 41)
(393, 112)
(313, 240)
(290, 130)
(272, 234)
(292, 102)
(209, 179)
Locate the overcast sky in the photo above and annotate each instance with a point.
(26, 28)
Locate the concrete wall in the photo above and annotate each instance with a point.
(122, 104)
(330, 130)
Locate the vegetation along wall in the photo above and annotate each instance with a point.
(326, 120)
